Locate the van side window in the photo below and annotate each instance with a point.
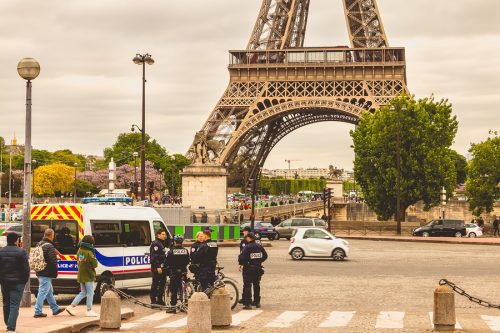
(37, 230)
(136, 233)
(106, 233)
(66, 236)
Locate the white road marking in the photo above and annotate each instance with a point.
(174, 324)
(492, 321)
(338, 319)
(154, 317)
(287, 318)
(457, 324)
(390, 319)
(244, 315)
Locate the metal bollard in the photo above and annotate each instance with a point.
(220, 304)
(199, 318)
(444, 309)
(111, 316)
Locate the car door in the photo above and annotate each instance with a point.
(317, 242)
(437, 229)
(285, 230)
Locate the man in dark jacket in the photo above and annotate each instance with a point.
(250, 261)
(14, 273)
(496, 224)
(45, 276)
(157, 254)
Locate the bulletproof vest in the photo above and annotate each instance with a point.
(213, 250)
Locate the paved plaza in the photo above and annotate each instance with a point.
(382, 287)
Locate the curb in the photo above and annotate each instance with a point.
(229, 244)
(76, 325)
(417, 240)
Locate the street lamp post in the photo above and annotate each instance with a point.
(135, 172)
(161, 184)
(398, 177)
(28, 69)
(74, 188)
(252, 215)
(143, 60)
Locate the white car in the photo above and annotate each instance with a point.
(317, 242)
(473, 230)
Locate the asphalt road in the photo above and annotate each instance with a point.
(378, 276)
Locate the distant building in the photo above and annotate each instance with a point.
(299, 173)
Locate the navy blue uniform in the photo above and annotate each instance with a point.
(251, 258)
(157, 253)
(202, 257)
(177, 262)
(243, 243)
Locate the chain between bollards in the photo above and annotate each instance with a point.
(462, 292)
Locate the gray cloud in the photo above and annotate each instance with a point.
(89, 89)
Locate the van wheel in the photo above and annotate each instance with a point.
(425, 234)
(102, 287)
(288, 238)
(458, 234)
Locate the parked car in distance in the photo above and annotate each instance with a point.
(17, 215)
(442, 228)
(16, 228)
(261, 229)
(473, 230)
(285, 228)
(317, 242)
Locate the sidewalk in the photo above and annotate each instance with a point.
(62, 323)
(443, 240)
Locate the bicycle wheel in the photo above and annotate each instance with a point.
(184, 294)
(232, 289)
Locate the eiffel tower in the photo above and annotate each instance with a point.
(277, 86)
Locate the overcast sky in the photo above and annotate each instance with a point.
(89, 90)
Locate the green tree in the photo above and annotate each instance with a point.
(483, 177)
(83, 187)
(128, 143)
(172, 166)
(460, 167)
(426, 130)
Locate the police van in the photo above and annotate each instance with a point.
(122, 236)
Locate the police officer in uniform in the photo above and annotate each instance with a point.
(245, 232)
(157, 253)
(177, 262)
(195, 264)
(250, 261)
(213, 251)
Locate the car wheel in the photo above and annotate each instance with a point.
(338, 255)
(458, 234)
(257, 235)
(425, 234)
(288, 238)
(277, 236)
(271, 238)
(297, 254)
(472, 235)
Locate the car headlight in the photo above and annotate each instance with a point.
(417, 229)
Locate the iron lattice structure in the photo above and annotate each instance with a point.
(277, 86)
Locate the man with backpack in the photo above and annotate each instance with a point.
(43, 260)
(14, 273)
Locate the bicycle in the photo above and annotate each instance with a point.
(190, 285)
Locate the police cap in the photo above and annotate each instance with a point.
(247, 228)
(251, 235)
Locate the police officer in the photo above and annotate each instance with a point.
(177, 261)
(243, 242)
(213, 251)
(250, 261)
(195, 264)
(157, 253)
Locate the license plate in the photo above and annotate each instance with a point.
(269, 229)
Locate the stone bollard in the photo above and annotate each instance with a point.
(444, 309)
(220, 304)
(198, 318)
(111, 316)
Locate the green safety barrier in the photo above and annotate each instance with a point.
(219, 232)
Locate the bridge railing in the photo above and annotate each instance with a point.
(317, 56)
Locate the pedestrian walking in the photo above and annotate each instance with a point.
(46, 275)
(496, 225)
(250, 261)
(87, 264)
(157, 255)
(177, 262)
(14, 273)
